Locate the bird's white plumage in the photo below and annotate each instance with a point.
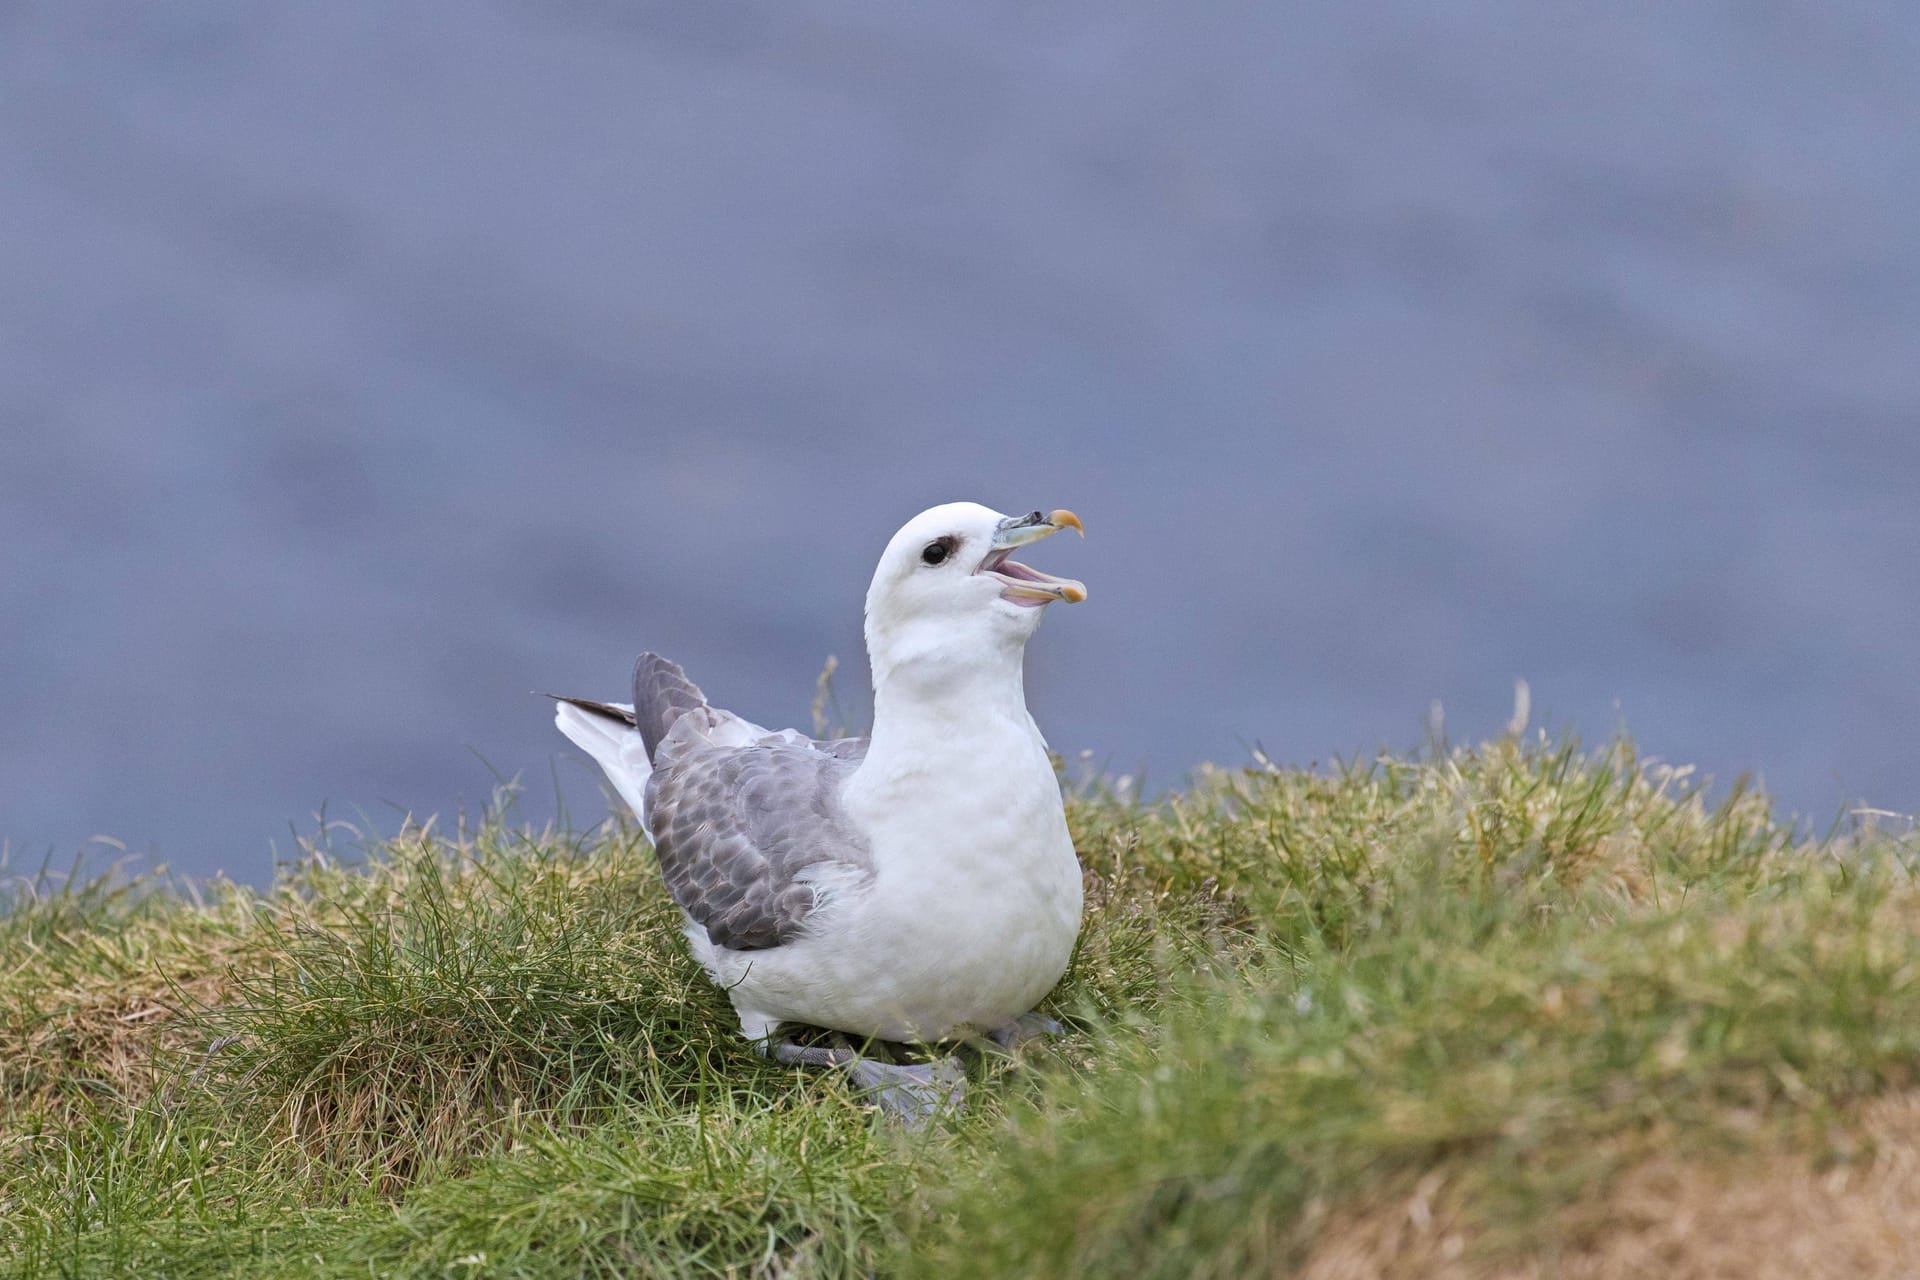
(963, 912)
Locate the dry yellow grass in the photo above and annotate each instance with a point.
(1775, 1211)
(89, 1015)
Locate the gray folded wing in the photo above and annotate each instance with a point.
(744, 833)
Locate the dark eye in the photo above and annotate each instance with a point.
(937, 551)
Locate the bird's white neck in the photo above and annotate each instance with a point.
(940, 695)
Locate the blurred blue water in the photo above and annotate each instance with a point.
(360, 372)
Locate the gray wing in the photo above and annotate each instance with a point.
(735, 826)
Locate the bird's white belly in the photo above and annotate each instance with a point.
(968, 921)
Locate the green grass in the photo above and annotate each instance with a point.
(1515, 971)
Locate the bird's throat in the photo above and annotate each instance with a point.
(922, 708)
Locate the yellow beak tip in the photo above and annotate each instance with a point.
(1064, 519)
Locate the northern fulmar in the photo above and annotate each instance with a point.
(917, 885)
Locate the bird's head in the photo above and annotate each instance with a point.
(947, 587)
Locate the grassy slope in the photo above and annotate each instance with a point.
(1473, 993)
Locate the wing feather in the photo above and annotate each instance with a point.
(747, 823)
(735, 828)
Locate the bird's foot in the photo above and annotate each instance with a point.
(912, 1092)
(1025, 1028)
(813, 1055)
(915, 1092)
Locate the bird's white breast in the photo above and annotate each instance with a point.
(974, 903)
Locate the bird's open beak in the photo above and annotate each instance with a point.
(1024, 584)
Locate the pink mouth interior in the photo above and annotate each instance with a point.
(1000, 562)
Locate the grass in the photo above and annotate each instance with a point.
(1453, 1014)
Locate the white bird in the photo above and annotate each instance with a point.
(919, 885)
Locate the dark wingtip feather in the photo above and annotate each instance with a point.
(604, 709)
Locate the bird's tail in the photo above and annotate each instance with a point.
(605, 731)
(626, 739)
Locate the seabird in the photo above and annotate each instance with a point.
(918, 885)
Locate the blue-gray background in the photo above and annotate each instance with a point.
(363, 368)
